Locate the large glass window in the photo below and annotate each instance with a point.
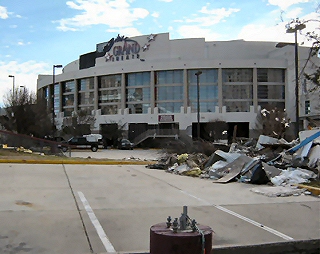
(68, 86)
(271, 75)
(56, 99)
(237, 89)
(169, 91)
(86, 84)
(109, 110)
(68, 100)
(86, 98)
(109, 94)
(138, 92)
(138, 79)
(271, 92)
(271, 87)
(208, 90)
(237, 75)
(110, 81)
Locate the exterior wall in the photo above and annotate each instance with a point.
(185, 54)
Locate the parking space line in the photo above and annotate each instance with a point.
(95, 222)
(257, 224)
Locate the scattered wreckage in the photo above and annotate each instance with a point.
(275, 162)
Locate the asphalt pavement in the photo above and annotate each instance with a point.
(104, 208)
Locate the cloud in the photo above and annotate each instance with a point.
(277, 33)
(197, 32)
(167, 1)
(115, 14)
(285, 4)
(155, 14)
(25, 73)
(210, 17)
(128, 31)
(3, 13)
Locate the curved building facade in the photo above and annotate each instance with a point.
(151, 84)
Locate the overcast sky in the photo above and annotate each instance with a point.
(35, 34)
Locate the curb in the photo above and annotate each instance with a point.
(76, 162)
(313, 190)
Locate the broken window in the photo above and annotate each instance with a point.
(237, 90)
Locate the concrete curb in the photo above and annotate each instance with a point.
(77, 162)
(313, 190)
(293, 247)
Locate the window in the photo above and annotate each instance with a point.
(237, 90)
(86, 84)
(86, 98)
(208, 90)
(237, 75)
(138, 92)
(110, 81)
(307, 108)
(68, 86)
(271, 92)
(271, 75)
(68, 100)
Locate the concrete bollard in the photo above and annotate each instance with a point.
(182, 236)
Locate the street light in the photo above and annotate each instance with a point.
(53, 83)
(198, 73)
(11, 76)
(295, 30)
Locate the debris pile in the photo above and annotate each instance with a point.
(271, 161)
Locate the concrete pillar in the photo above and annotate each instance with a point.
(123, 91)
(185, 90)
(255, 89)
(96, 93)
(152, 92)
(76, 96)
(220, 90)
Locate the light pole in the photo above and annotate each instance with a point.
(295, 30)
(53, 83)
(198, 73)
(11, 76)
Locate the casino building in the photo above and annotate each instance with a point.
(155, 86)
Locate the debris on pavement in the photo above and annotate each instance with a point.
(276, 163)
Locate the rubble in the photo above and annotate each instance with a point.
(271, 161)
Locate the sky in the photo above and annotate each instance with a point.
(37, 34)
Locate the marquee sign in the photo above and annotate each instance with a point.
(122, 48)
(166, 118)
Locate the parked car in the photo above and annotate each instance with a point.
(125, 144)
(82, 142)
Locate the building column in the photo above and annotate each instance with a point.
(255, 89)
(76, 96)
(185, 90)
(220, 90)
(51, 98)
(152, 92)
(96, 93)
(60, 97)
(123, 92)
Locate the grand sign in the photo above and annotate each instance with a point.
(122, 48)
(119, 49)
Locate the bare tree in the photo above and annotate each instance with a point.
(25, 114)
(314, 37)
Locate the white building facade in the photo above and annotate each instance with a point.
(149, 84)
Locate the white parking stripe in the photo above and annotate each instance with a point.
(105, 240)
(257, 224)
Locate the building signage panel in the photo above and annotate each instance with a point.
(122, 48)
(165, 118)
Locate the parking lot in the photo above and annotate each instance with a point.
(102, 209)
